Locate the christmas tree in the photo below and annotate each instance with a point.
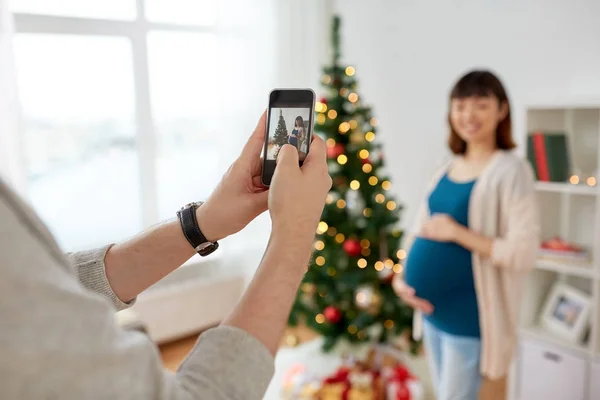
(346, 292)
(281, 133)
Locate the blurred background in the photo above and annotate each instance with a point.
(124, 110)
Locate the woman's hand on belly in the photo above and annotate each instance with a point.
(407, 294)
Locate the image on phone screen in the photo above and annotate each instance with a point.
(289, 125)
(289, 122)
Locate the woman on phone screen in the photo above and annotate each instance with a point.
(297, 134)
(475, 238)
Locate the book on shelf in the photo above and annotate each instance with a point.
(557, 249)
(548, 155)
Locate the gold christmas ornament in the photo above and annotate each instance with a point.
(356, 138)
(292, 340)
(367, 298)
(309, 288)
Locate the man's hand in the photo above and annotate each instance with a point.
(297, 195)
(296, 200)
(441, 228)
(407, 294)
(240, 196)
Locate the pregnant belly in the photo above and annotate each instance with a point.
(437, 270)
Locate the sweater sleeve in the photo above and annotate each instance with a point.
(517, 248)
(91, 271)
(65, 339)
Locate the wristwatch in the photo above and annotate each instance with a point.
(192, 232)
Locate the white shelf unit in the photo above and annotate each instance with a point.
(571, 211)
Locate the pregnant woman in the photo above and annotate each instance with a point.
(297, 135)
(475, 238)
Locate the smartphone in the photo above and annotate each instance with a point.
(290, 120)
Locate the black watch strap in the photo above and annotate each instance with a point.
(192, 232)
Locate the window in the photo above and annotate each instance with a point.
(79, 134)
(125, 106)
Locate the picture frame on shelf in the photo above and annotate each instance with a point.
(566, 312)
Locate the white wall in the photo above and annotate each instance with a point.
(408, 53)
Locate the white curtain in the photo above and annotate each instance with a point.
(11, 165)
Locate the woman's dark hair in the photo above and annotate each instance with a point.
(483, 84)
(299, 119)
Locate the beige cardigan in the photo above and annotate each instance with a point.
(503, 205)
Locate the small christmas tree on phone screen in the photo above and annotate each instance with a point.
(281, 134)
(346, 292)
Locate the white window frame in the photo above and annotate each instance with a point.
(136, 30)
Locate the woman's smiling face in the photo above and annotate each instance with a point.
(475, 119)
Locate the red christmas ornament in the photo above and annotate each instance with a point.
(403, 393)
(323, 100)
(335, 151)
(332, 314)
(365, 160)
(352, 247)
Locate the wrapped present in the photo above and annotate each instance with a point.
(365, 385)
(400, 384)
(334, 391)
(298, 384)
(380, 376)
(353, 382)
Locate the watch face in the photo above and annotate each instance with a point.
(206, 248)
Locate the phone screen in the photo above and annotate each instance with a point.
(290, 121)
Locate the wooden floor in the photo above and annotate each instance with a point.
(174, 353)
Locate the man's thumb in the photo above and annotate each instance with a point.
(287, 157)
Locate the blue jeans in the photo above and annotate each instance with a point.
(454, 363)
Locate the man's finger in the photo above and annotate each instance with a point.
(256, 141)
(317, 153)
(287, 157)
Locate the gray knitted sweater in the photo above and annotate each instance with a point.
(59, 339)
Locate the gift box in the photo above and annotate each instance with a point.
(299, 384)
(400, 384)
(380, 376)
